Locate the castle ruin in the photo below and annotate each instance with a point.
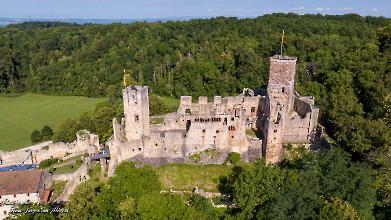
(280, 116)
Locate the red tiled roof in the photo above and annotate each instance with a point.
(45, 196)
(18, 182)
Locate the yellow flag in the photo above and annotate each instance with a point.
(126, 78)
(282, 40)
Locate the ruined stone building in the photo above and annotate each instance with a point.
(280, 116)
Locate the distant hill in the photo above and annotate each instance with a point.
(40, 25)
(9, 21)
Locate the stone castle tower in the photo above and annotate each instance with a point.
(136, 110)
(280, 102)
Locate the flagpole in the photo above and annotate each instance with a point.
(282, 41)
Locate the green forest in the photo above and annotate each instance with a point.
(343, 60)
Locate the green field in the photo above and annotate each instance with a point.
(19, 116)
(187, 176)
(171, 102)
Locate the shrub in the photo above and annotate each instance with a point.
(195, 157)
(47, 163)
(233, 157)
(157, 105)
(46, 133)
(35, 136)
(201, 203)
(66, 132)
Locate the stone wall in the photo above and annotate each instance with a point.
(73, 180)
(300, 123)
(21, 198)
(254, 151)
(119, 130)
(86, 143)
(226, 105)
(120, 151)
(89, 141)
(165, 143)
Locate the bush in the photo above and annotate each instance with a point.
(47, 163)
(195, 157)
(201, 203)
(46, 133)
(157, 105)
(233, 157)
(35, 136)
(66, 132)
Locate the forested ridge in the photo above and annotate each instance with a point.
(344, 61)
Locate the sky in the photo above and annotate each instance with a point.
(144, 9)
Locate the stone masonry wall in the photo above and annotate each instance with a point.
(298, 127)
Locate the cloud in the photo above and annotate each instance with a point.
(320, 9)
(345, 9)
(298, 8)
(233, 11)
(374, 10)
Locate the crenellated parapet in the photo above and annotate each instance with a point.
(217, 100)
(184, 104)
(202, 100)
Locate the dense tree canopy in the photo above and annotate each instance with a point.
(309, 188)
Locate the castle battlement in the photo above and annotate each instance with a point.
(202, 100)
(186, 100)
(284, 58)
(217, 100)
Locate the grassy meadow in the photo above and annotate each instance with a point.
(21, 115)
(171, 102)
(187, 176)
